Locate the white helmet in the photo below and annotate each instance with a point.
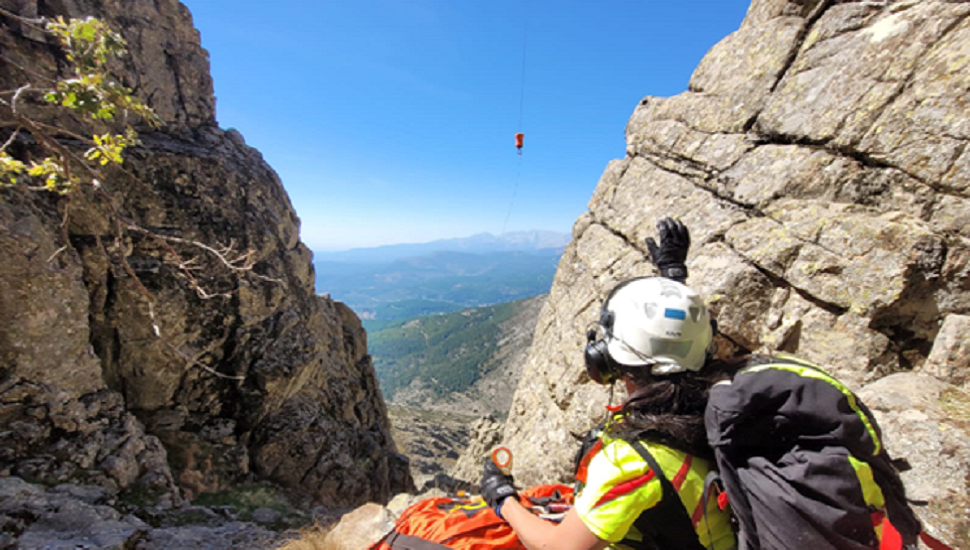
(659, 322)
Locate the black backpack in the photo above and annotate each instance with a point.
(795, 450)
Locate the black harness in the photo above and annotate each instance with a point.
(666, 526)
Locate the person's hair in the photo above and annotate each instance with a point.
(669, 409)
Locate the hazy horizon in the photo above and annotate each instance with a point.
(566, 236)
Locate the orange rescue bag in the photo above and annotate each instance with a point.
(441, 523)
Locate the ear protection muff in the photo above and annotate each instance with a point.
(600, 367)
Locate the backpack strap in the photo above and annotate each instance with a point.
(591, 445)
(932, 542)
(400, 521)
(677, 528)
(399, 541)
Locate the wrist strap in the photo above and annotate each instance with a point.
(677, 273)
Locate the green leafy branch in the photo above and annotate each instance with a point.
(89, 43)
(91, 92)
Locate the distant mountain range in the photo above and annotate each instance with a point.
(412, 280)
(520, 241)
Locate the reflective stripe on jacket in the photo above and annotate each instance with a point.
(620, 486)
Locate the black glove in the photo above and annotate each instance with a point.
(669, 256)
(496, 486)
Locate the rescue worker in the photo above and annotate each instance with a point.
(813, 465)
(656, 337)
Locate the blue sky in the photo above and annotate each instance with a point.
(393, 121)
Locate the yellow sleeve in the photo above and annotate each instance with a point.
(619, 487)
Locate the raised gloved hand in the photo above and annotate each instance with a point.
(496, 486)
(671, 254)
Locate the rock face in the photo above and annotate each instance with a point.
(432, 440)
(486, 434)
(820, 160)
(928, 423)
(262, 379)
(73, 516)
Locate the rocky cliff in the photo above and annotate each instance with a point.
(820, 159)
(261, 378)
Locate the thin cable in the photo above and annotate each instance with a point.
(515, 191)
(525, 42)
(518, 173)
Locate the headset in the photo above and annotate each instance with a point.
(600, 367)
